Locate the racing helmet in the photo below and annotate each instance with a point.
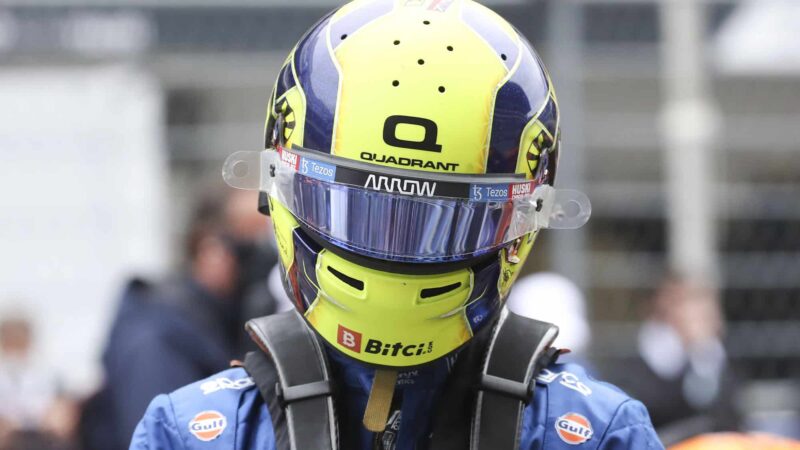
(411, 150)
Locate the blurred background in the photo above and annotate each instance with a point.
(680, 121)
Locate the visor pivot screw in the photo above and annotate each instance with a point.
(272, 170)
(539, 205)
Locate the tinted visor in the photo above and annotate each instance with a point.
(395, 214)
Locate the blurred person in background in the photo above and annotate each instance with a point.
(737, 441)
(554, 298)
(33, 412)
(681, 372)
(190, 326)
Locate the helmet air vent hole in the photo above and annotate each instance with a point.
(442, 89)
(426, 22)
(449, 48)
(503, 56)
(358, 284)
(420, 61)
(344, 36)
(433, 292)
(396, 42)
(395, 83)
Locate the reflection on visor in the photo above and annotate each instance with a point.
(392, 214)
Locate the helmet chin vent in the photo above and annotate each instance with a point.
(352, 282)
(433, 292)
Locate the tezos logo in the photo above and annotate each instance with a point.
(208, 425)
(477, 192)
(574, 429)
(349, 339)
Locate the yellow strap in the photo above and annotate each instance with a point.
(380, 400)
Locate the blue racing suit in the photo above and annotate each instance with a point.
(570, 411)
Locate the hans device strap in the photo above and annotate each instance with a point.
(520, 348)
(493, 380)
(481, 408)
(293, 378)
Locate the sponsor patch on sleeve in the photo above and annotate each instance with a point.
(221, 383)
(568, 380)
(574, 429)
(208, 425)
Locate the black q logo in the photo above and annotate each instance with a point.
(428, 142)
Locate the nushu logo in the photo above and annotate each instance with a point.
(574, 429)
(208, 425)
(290, 159)
(351, 340)
(521, 189)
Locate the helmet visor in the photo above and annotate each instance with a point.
(397, 215)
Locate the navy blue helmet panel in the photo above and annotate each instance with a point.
(517, 102)
(319, 80)
(505, 47)
(286, 81)
(357, 18)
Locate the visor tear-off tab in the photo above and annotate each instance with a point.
(376, 415)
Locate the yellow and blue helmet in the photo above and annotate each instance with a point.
(411, 151)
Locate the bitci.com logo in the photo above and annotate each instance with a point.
(349, 339)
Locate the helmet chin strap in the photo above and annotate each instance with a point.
(376, 415)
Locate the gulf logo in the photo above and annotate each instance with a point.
(208, 425)
(574, 429)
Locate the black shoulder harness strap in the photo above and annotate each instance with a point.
(480, 409)
(492, 382)
(518, 351)
(293, 377)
